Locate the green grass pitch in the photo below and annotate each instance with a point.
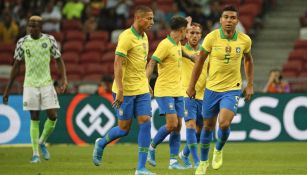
(276, 158)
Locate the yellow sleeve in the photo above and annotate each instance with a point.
(207, 43)
(160, 53)
(123, 45)
(248, 45)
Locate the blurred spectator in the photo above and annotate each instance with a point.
(105, 87)
(90, 25)
(73, 9)
(215, 14)
(109, 20)
(51, 18)
(8, 28)
(122, 7)
(158, 17)
(174, 12)
(276, 84)
(186, 6)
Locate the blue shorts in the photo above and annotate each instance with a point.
(193, 110)
(214, 101)
(171, 105)
(134, 106)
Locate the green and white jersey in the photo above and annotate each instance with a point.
(37, 54)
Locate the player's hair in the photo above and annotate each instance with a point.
(142, 9)
(197, 25)
(231, 8)
(177, 22)
(37, 19)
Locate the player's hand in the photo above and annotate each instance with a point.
(63, 86)
(191, 92)
(248, 92)
(150, 90)
(189, 19)
(118, 100)
(5, 98)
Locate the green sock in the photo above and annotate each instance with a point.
(34, 133)
(48, 129)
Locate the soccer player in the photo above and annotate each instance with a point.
(168, 89)
(36, 51)
(226, 48)
(130, 88)
(193, 107)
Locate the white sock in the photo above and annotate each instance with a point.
(172, 161)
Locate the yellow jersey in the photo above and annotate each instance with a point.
(134, 47)
(187, 68)
(169, 57)
(225, 56)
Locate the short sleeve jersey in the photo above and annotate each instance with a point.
(187, 69)
(134, 48)
(37, 53)
(169, 57)
(225, 56)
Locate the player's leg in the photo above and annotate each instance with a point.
(143, 113)
(31, 102)
(228, 106)
(34, 134)
(174, 141)
(210, 111)
(50, 103)
(124, 115)
(167, 109)
(191, 144)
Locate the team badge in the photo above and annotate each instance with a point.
(238, 50)
(228, 49)
(44, 45)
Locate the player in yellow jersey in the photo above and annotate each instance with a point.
(193, 107)
(225, 48)
(130, 88)
(168, 89)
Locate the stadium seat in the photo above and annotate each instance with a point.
(298, 54)
(73, 46)
(74, 36)
(90, 57)
(92, 78)
(74, 69)
(247, 21)
(6, 58)
(289, 74)
(71, 25)
(150, 36)
(108, 56)
(70, 57)
(73, 77)
(99, 36)
(295, 65)
(92, 68)
(58, 36)
(111, 47)
(162, 34)
(300, 44)
(153, 46)
(98, 46)
(8, 48)
(249, 9)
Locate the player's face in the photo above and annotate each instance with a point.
(34, 29)
(183, 31)
(194, 35)
(229, 20)
(147, 20)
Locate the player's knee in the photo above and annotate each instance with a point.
(224, 124)
(190, 124)
(171, 127)
(209, 126)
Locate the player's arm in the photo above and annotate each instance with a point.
(118, 73)
(196, 73)
(249, 73)
(190, 57)
(149, 70)
(13, 75)
(62, 70)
